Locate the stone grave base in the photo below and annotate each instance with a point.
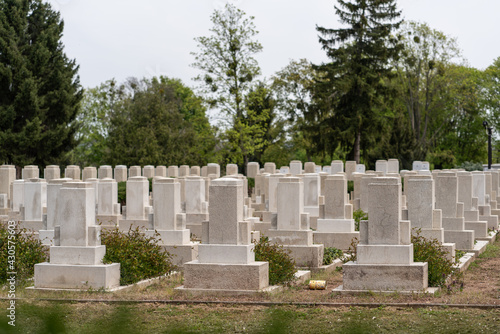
(328, 268)
(450, 248)
(67, 276)
(4, 212)
(46, 237)
(34, 226)
(127, 224)
(465, 261)
(380, 277)
(463, 240)
(182, 253)
(492, 236)
(222, 277)
(340, 240)
(479, 247)
(492, 221)
(108, 222)
(219, 292)
(341, 291)
(262, 227)
(480, 228)
(307, 256)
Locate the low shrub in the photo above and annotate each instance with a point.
(140, 256)
(19, 252)
(281, 265)
(431, 251)
(330, 254)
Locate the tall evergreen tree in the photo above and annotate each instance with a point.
(360, 53)
(39, 86)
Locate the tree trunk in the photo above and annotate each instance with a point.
(357, 146)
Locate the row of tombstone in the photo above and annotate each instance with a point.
(292, 226)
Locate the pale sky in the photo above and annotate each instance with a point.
(126, 38)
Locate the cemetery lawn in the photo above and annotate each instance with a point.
(470, 306)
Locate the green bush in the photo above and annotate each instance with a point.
(28, 252)
(471, 166)
(122, 192)
(431, 251)
(330, 254)
(140, 257)
(281, 265)
(358, 216)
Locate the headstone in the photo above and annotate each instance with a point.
(393, 166)
(196, 204)
(30, 172)
(173, 171)
(231, 169)
(148, 171)
(184, 170)
(285, 170)
(337, 228)
(213, 169)
(89, 173)
(105, 172)
(295, 167)
(161, 171)
(51, 172)
(382, 166)
(169, 221)
(134, 171)
(309, 167)
(138, 208)
(35, 199)
(253, 169)
(47, 234)
(7, 177)
(270, 168)
(72, 172)
(195, 171)
(385, 253)
(446, 187)
(76, 257)
(350, 167)
(108, 208)
(337, 167)
(311, 193)
(293, 225)
(121, 173)
(360, 168)
(226, 254)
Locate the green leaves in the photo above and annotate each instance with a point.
(140, 257)
(281, 265)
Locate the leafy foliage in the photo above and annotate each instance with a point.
(358, 216)
(347, 100)
(168, 123)
(431, 251)
(28, 252)
(40, 91)
(330, 254)
(281, 265)
(471, 166)
(140, 257)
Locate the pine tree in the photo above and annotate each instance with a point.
(39, 86)
(360, 53)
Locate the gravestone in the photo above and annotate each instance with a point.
(148, 171)
(161, 171)
(226, 260)
(385, 252)
(295, 167)
(51, 172)
(337, 167)
(108, 208)
(196, 204)
(170, 223)
(293, 227)
(138, 210)
(446, 186)
(35, 202)
(105, 172)
(89, 173)
(76, 257)
(134, 171)
(121, 173)
(72, 172)
(336, 228)
(47, 234)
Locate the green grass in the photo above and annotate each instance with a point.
(43, 317)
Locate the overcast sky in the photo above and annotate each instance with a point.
(125, 38)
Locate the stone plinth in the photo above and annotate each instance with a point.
(72, 172)
(51, 172)
(161, 171)
(30, 172)
(89, 173)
